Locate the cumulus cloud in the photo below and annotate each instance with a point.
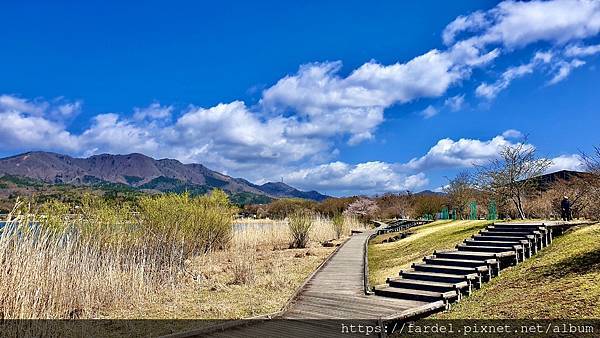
(448, 153)
(301, 117)
(11, 103)
(368, 177)
(34, 124)
(515, 24)
(333, 104)
(566, 162)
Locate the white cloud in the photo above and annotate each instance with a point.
(429, 112)
(447, 153)
(490, 91)
(511, 25)
(224, 137)
(515, 24)
(469, 23)
(455, 103)
(512, 133)
(111, 134)
(300, 118)
(567, 162)
(564, 69)
(367, 178)
(20, 131)
(154, 111)
(582, 50)
(32, 124)
(332, 104)
(11, 103)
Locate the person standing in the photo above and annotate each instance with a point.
(565, 209)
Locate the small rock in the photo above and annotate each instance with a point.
(328, 244)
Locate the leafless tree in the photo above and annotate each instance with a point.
(512, 176)
(460, 192)
(592, 161)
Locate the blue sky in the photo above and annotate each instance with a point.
(340, 96)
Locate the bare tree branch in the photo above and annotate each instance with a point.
(511, 177)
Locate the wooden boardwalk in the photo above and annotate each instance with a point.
(335, 292)
(335, 295)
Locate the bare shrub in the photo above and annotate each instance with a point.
(460, 192)
(244, 267)
(300, 223)
(338, 225)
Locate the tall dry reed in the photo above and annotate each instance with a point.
(78, 261)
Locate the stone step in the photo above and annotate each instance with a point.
(412, 294)
(502, 238)
(512, 234)
(511, 230)
(481, 248)
(437, 276)
(518, 225)
(458, 270)
(470, 263)
(502, 244)
(415, 284)
(478, 256)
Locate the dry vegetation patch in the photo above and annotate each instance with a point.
(173, 257)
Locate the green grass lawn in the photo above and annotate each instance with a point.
(387, 259)
(561, 281)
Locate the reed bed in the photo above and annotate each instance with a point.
(101, 261)
(276, 233)
(61, 261)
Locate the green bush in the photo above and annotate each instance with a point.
(53, 215)
(284, 207)
(300, 222)
(196, 224)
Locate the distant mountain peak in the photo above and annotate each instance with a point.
(139, 171)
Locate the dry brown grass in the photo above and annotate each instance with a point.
(45, 275)
(255, 276)
(276, 233)
(107, 268)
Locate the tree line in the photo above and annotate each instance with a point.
(512, 183)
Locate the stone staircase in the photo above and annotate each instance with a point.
(452, 274)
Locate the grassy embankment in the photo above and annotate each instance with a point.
(172, 256)
(561, 281)
(387, 259)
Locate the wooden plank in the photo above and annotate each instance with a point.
(336, 290)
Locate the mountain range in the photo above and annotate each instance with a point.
(140, 172)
